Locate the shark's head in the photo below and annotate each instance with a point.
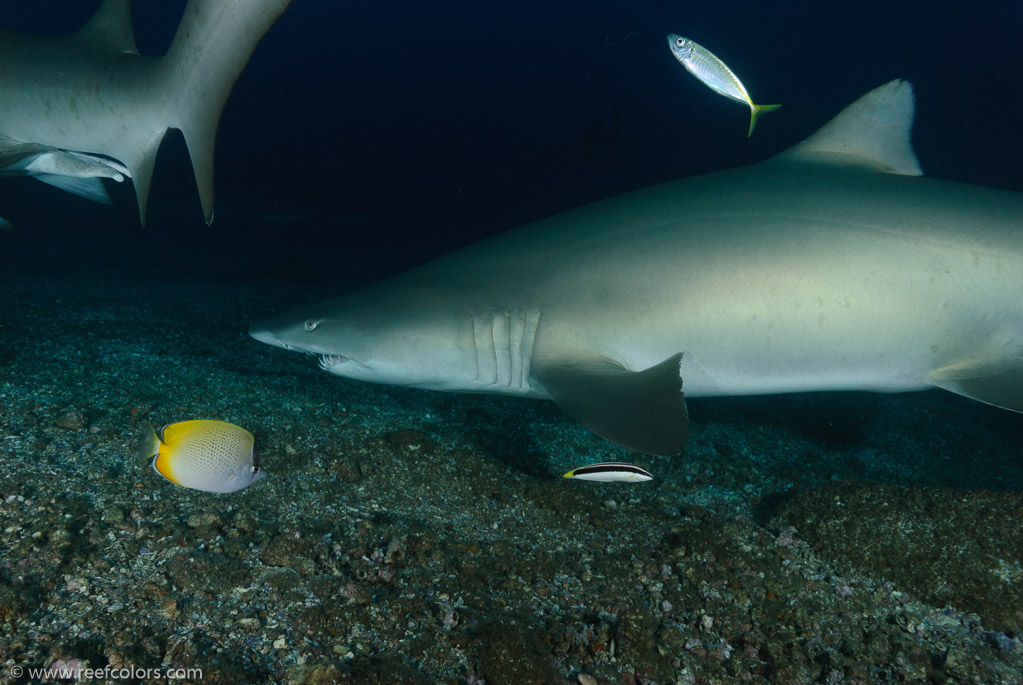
(399, 340)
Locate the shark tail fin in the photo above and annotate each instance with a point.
(210, 49)
(754, 113)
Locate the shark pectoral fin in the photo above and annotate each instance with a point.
(1000, 383)
(89, 188)
(56, 162)
(75, 172)
(642, 410)
(16, 154)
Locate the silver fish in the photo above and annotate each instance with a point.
(715, 74)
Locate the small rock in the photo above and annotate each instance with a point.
(313, 674)
(409, 441)
(169, 609)
(245, 522)
(207, 518)
(395, 551)
(71, 419)
(78, 585)
(304, 565)
(113, 515)
(349, 473)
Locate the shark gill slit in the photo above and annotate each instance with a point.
(483, 338)
(531, 322)
(501, 328)
(475, 345)
(516, 333)
(522, 332)
(504, 347)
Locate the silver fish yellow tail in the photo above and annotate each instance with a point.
(754, 113)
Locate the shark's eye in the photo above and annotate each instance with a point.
(311, 325)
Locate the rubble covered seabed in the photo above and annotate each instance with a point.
(406, 536)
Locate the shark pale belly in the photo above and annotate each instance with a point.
(833, 266)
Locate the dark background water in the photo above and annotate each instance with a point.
(414, 128)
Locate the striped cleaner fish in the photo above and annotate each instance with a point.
(608, 471)
(212, 456)
(715, 74)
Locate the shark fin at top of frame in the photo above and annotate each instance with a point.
(109, 29)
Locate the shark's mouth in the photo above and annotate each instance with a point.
(329, 361)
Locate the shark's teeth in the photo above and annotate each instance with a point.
(329, 361)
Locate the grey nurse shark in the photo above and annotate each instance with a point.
(832, 266)
(81, 108)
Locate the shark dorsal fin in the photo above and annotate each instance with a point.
(110, 30)
(872, 132)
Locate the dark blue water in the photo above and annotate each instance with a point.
(430, 125)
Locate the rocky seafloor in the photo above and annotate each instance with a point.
(405, 536)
